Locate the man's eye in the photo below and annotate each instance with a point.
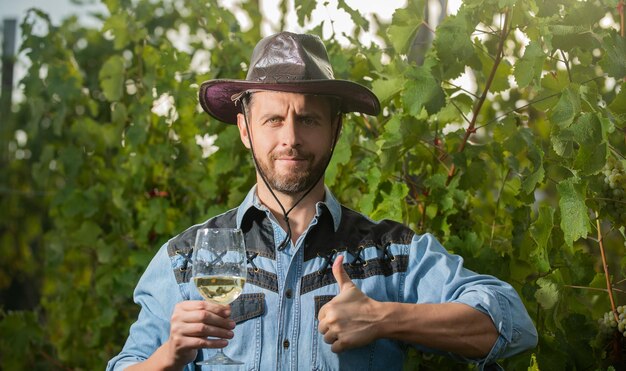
(308, 121)
(273, 120)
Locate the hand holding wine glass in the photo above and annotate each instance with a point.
(219, 272)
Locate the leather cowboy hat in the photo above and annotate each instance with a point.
(288, 62)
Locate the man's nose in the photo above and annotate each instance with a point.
(290, 133)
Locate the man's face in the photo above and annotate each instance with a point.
(292, 135)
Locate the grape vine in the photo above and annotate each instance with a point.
(503, 133)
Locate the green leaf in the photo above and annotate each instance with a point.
(74, 205)
(529, 67)
(591, 156)
(618, 105)
(118, 24)
(475, 175)
(614, 60)
(72, 159)
(534, 365)
(540, 232)
(356, 17)
(574, 212)
(112, 78)
(530, 181)
(402, 36)
(421, 90)
(392, 204)
(21, 331)
(548, 293)
(453, 44)
(136, 134)
(341, 156)
(535, 155)
(392, 134)
(87, 234)
(555, 81)
(590, 97)
(304, 9)
(404, 25)
(387, 88)
(367, 201)
(118, 113)
(562, 142)
(566, 109)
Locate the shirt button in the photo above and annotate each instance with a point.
(286, 344)
(289, 293)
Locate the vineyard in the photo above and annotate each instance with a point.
(503, 133)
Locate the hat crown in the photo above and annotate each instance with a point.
(287, 57)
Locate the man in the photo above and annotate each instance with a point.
(327, 288)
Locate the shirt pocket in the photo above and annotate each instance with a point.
(322, 357)
(247, 306)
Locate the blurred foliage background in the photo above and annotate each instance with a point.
(503, 133)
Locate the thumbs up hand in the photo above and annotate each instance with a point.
(351, 318)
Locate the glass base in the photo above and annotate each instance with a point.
(219, 359)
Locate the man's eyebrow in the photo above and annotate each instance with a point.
(269, 115)
(309, 114)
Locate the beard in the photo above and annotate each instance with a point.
(298, 180)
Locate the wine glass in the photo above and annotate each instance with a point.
(219, 272)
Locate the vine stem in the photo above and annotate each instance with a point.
(471, 129)
(592, 288)
(620, 9)
(609, 287)
(566, 62)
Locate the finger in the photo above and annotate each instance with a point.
(192, 305)
(216, 343)
(330, 337)
(202, 330)
(342, 278)
(181, 343)
(200, 343)
(209, 318)
(322, 314)
(337, 346)
(201, 316)
(322, 328)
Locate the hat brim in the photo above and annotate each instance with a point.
(216, 95)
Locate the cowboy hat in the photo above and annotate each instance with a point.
(287, 62)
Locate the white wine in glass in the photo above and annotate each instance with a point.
(219, 272)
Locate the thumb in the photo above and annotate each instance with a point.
(342, 278)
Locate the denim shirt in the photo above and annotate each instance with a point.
(276, 314)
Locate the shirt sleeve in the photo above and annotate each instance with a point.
(157, 293)
(436, 276)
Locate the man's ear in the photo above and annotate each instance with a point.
(243, 132)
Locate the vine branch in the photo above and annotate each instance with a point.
(620, 9)
(566, 62)
(592, 288)
(471, 129)
(609, 287)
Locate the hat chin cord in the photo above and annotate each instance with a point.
(285, 241)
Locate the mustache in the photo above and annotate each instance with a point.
(291, 152)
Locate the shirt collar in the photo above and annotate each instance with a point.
(252, 201)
